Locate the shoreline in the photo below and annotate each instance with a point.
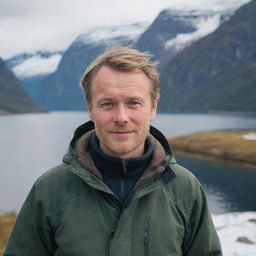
(6, 113)
(225, 146)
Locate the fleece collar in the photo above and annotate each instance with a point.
(116, 168)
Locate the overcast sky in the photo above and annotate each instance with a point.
(31, 25)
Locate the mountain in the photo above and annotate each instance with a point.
(13, 98)
(216, 73)
(61, 91)
(33, 68)
(165, 27)
(174, 29)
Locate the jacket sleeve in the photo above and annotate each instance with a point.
(201, 237)
(32, 233)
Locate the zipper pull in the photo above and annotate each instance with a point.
(124, 165)
(113, 230)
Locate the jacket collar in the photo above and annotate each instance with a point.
(162, 154)
(89, 126)
(116, 168)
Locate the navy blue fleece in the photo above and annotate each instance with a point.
(119, 174)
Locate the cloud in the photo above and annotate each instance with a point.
(37, 65)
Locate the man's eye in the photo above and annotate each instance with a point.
(134, 103)
(106, 104)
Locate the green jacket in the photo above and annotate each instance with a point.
(70, 211)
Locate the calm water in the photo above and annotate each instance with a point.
(33, 143)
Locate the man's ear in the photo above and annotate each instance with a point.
(90, 111)
(154, 109)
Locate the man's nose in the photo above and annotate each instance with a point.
(121, 115)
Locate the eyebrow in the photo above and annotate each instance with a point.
(138, 98)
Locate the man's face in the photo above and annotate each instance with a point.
(121, 109)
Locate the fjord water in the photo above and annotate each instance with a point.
(32, 143)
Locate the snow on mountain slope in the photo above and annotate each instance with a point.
(205, 16)
(97, 35)
(36, 65)
(32, 65)
(203, 23)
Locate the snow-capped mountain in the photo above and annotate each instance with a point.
(173, 30)
(33, 68)
(217, 72)
(179, 26)
(29, 65)
(154, 38)
(203, 21)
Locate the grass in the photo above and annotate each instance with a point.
(223, 145)
(7, 221)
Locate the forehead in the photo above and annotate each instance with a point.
(108, 79)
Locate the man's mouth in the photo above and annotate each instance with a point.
(121, 132)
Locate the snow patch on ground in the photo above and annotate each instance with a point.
(231, 226)
(250, 136)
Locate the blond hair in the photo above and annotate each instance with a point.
(122, 59)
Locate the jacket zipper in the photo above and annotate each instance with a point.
(133, 191)
(124, 169)
(124, 165)
(115, 226)
(146, 237)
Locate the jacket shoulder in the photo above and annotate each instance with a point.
(57, 176)
(184, 177)
(56, 187)
(184, 190)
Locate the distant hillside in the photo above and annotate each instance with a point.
(13, 99)
(217, 73)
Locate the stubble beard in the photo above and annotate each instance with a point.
(116, 148)
(123, 150)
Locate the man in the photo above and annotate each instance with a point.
(119, 190)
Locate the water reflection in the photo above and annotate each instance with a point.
(229, 187)
(219, 201)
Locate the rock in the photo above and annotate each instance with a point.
(244, 239)
(252, 220)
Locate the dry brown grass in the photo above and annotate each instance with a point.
(225, 145)
(7, 221)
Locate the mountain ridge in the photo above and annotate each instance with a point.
(13, 98)
(220, 79)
